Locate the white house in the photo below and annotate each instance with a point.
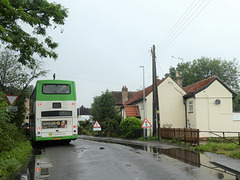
(205, 105)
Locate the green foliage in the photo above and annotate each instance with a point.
(14, 76)
(229, 149)
(35, 14)
(11, 160)
(9, 133)
(14, 146)
(129, 126)
(103, 110)
(14, 80)
(111, 128)
(236, 103)
(234, 154)
(103, 107)
(86, 127)
(199, 69)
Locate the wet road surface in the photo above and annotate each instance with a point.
(84, 159)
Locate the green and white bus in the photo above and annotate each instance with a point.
(53, 111)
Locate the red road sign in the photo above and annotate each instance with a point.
(146, 124)
(96, 126)
(11, 99)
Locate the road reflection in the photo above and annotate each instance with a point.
(37, 168)
(194, 159)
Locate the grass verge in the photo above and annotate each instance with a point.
(229, 149)
(12, 160)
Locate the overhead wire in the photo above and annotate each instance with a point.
(183, 23)
(178, 22)
(179, 27)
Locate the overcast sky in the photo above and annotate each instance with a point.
(104, 42)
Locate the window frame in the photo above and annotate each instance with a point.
(190, 106)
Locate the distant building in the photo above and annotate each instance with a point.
(122, 97)
(83, 111)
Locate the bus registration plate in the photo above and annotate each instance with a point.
(57, 138)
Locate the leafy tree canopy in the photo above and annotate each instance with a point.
(15, 79)
(37, 15)
(199, 69)
(104, 111)
(13, 76)
(103, 107)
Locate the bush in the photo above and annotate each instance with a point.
(14, 146)
(110, 127)
(129, 126)
(11, 161)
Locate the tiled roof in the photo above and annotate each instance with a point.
(139, 95)
(131, 111)
(118, 96)
(198, 85)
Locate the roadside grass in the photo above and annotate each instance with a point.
(11, 161)
(214, 145)
(221, 147)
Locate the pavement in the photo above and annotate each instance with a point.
(220, 161)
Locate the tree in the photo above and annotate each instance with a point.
(37, 15)
(15, 79)
(199, 69)
(103, 110)
(236, 103)
(103, 107)
(13, 76)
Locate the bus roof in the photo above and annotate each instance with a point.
(51, 81)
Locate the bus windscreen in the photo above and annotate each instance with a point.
(56, 89)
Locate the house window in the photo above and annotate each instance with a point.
(190, 107)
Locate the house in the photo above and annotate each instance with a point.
(205, 105)
(171, 104)
(122, 97)
(208, 106)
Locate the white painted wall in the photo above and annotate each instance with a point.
(211, 116)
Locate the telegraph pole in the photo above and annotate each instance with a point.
(144, 129)
(154, 90)
(156, 111)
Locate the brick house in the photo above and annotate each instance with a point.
(122, 97)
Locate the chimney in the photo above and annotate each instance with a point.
(178, 79)
(124, 94)
(177, 74)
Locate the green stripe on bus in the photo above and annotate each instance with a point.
(73, 137)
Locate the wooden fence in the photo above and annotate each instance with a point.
(185, 135)
(186, 156)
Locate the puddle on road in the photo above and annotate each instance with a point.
(192, 158)
(38, 167)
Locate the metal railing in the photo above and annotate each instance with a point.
(216, 133)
